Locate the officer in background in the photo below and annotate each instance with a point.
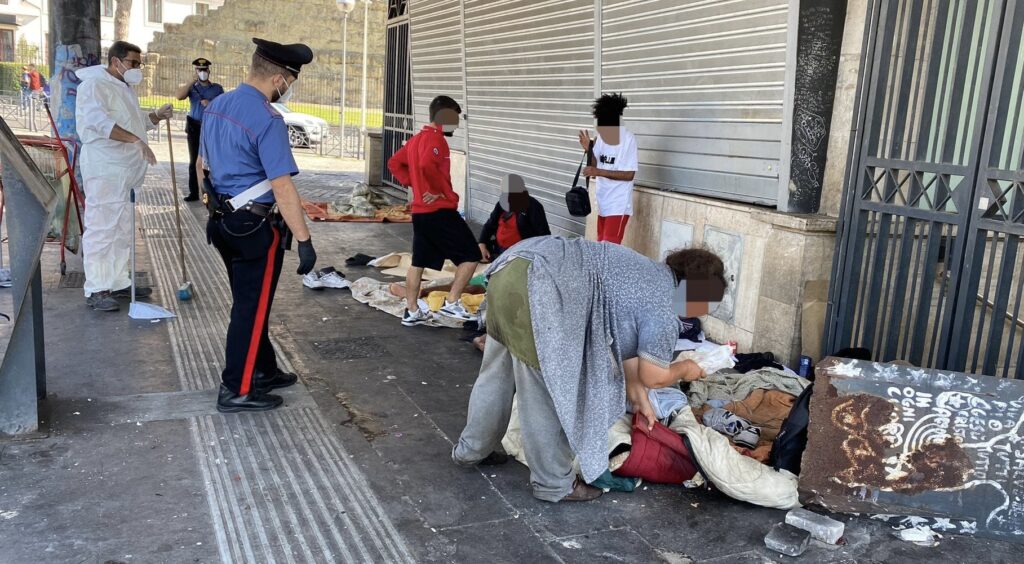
(200, 92)
(254, 211)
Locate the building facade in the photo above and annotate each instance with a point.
(149, 17)
(711, 89)
(749, 117)
(25, 23)
(24, 30)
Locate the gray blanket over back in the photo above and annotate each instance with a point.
(572, 325)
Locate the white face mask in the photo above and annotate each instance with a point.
(283, 98)
(131, 76)
(204, 76)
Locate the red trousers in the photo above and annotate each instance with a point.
(611, 228)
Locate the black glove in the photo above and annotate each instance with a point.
(307, 256)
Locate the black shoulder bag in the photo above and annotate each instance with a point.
(577, 199)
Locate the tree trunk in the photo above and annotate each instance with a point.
(122, 18)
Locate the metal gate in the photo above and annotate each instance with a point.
(398, 112)
(928, 266)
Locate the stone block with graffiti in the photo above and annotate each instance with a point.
(899, 440)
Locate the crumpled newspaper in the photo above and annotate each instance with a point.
(364, 201)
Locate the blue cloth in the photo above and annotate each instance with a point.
(245, 141)
(197, 94)
(611, 482)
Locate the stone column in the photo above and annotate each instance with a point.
(75, 35)
(819, 39)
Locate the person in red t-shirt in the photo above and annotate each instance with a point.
(438, 231)
(35, 81)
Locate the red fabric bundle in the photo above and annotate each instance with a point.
(659, 455)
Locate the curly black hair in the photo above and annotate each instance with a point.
(609, 106)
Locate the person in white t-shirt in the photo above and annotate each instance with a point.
(614, 163)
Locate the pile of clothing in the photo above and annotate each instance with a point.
(364, 203)
(716, 432)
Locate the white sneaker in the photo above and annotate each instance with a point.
(456, 311)
(312, 281)
(419, 317)
(331, 278)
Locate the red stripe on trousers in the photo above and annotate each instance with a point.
(261, 316)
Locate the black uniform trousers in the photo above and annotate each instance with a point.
(251, 249)
(192, 130)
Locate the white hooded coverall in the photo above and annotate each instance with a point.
(110, 169)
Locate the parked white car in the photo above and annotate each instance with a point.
(304, 130)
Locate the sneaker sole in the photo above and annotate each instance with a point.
(223, 409)
(456, 317)
(413, 323)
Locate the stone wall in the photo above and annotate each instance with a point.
(225, 37)
(771, 259)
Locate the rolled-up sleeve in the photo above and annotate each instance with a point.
(657, 339)
(92, 119)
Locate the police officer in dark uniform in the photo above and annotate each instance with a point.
(201, 91)
(254, 213)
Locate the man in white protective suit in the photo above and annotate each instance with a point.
(114, 160)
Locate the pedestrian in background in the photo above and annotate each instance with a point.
(200, 92)
(614, 163)
(26, 88)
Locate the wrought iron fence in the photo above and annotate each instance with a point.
(24, 110)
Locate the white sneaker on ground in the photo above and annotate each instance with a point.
(331, 278)
(419, 317)
(312, 281)
(456, 311)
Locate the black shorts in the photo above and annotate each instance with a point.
(441, 235)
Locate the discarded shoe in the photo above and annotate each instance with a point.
(312, 281)
(331, 278)
(230, 402)
(456, 311)
(748, 437)
(739, 429)
(102, 301)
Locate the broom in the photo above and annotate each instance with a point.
(186, 290)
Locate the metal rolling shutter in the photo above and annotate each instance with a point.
(436, 45)
(705, 81)
(529, 82)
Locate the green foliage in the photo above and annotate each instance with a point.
(10, 76)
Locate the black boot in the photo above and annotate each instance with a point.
(280, 379)
(230, 402)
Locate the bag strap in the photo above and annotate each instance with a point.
(579, 169)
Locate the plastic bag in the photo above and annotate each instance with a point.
(710, 360)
